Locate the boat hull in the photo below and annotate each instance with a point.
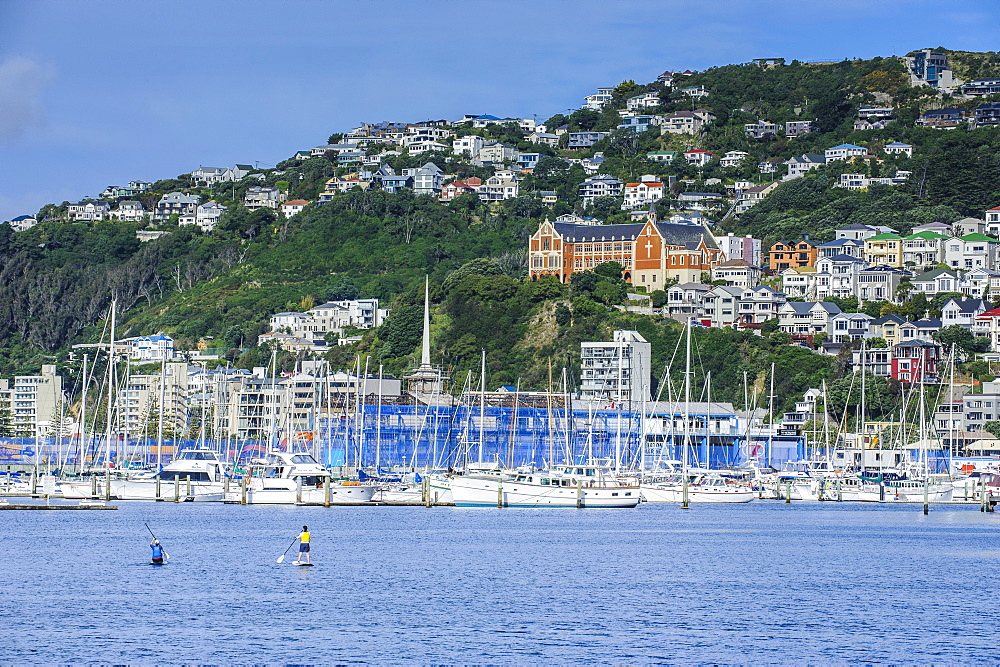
(496, 493)
(653, 493)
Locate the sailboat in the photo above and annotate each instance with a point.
(688, 485)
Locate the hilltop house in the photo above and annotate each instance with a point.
(175, 203)
(89, 210)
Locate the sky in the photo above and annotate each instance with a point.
(102, 92)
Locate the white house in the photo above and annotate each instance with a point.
(962, 312)
(129, 211)
(844, 152)
(601, 185)
(90, 210)
(804, 318)
(207, 215)
(290, 208)
(262, 196)
(643, 193)
(158, 347)
(799, 166)
(899, 148)
(733, 158)
(698, 157)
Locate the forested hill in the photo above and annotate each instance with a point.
(219, 288)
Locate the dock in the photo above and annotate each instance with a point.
(39, 506)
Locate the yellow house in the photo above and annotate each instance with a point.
(885, 249)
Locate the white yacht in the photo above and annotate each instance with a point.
(288, 478)
(201, 466)
(580, 486)
(702, 488)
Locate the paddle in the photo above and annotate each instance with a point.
(281, 558)
(165, 554)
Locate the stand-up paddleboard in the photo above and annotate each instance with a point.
(304, 564)
(158, 564)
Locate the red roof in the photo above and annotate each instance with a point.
(651, 184)
(990, 313)
(698, 150)
(296, 202)
(995, 208)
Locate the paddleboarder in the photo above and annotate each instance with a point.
(157, 552)
(304, 547)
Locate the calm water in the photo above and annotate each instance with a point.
(764, 582)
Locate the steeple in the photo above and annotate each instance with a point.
(425, 379)
(651, 215)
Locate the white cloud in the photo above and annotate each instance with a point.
(21, 84)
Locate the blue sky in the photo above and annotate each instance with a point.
(104, 92)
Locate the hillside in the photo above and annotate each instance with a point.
(58, 277)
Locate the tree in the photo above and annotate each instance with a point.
(769, 326)
(992, 427)
(609, 270)
(659, 298)
(563, 314)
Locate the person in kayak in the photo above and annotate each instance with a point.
(157, 552)
(304, 546)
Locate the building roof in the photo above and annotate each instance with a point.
(686, 235)
(885, 237)
(845, 146)
(838, 243)
(296, 202)
(978, 237)
(932, 275)
(927, 235)
(842, 258)
(966, 305)
(889, 318)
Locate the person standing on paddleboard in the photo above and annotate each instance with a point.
(304, 546)
(157, 552)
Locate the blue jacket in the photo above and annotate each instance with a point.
(157, 550)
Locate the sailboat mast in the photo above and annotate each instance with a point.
(551, 461)
(687, 417)
(378, 424)
(83, 418)
(111, 391)
(482, 403)
(159, 425)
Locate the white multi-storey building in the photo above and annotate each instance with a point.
(617, 371)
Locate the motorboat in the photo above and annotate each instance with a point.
(578, 485)
(196, 474)
(289, 478)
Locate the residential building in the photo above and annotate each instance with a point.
(700, 201)
(158, 347)
(962, 312)
(599, 99)
(129, 211)
(642, 194)
(618, 371)
(761, 129)
(987, 114)
(733, 158)
(501, 186)
(968, 226)
(859, 232)
(639, 123)
(544, 138)
(836, 276)
(978, 282)
(922, 329)
(261, 196)
(971, 251)
(293, 207)
(993, 222)
(980, 88)
(651, 252)
(601, 185)
(792, 254)
(585, 139)
(139, 402)
(844, 152)
(469, 145)
(497, 153)
(22, 222)
(847, 327)
(988, 324)
(133, 189)
(592, 165)
(899, 148)
(207, 215)
(527, 161)
(721, 306)
(923, 249)
(799, 166)
(879, 283)
(884, 249)
(799, 282)
(796, 128)
(686, 300)
(686, 122)
(939, 227)
(694, 91)
(930, 68)
(751, 196)
(211, 175)
(89, 210)
(698, 157)
(458, 187)
(848, 247)
(916, 361)
(338, 184)
(746, 248)
(175, 203)
(662, 156)
(428, 179)
(944, 119)
(803, 320)
(643, 101)
(886, 327)
(737, 273)
(35, 402)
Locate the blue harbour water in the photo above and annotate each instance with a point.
(759, 583)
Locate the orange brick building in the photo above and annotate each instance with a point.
(651, 252)
(792, 255)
